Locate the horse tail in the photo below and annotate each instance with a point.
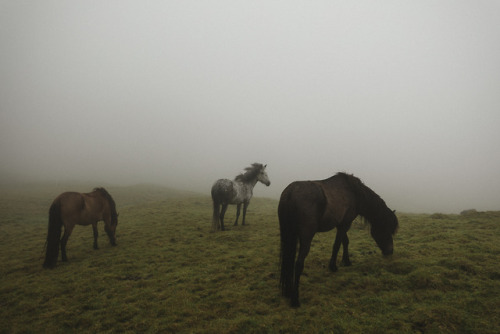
(288, 248)
(53, 235)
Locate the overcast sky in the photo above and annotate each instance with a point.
(403, 94)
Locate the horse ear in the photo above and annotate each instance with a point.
(265, 165)
(394, 211)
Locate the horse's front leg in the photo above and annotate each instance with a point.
(238, 208)
(336, 246)
(96, 234)
(345, 255)
(245, 206)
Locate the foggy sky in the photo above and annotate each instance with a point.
(403, 94)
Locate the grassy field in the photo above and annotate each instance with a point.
(170, 274)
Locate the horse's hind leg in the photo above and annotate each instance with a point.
(238, 209)
(222, 213)
(96, 234)
(305, 246)
(64, 241)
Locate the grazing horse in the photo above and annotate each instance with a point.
(307, 207)
(71, 208)
(239, 191)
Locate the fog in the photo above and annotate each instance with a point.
(404, 95)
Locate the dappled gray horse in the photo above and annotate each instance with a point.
(239, 191)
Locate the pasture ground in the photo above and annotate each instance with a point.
(170, 274)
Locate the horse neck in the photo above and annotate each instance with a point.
(373, 212)
(106, 206)
(252, 183)
(368, 203)
(248, 185)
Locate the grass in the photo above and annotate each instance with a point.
(170, 274)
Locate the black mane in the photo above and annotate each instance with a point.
(250, 174)
(370, 204)
(112, 205)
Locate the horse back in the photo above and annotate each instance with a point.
(96, 207)
(71, 205)
(303, 203)
(70, 200)
(340, 206)
(224, 191)
(78, 208)
(326, 205)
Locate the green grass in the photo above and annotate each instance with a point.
(170, 274)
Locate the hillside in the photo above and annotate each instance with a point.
(170, 274)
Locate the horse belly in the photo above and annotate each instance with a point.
(326, 225)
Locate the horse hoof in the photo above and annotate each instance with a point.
(295, 303)
(332, 266)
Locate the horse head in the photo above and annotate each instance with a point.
(111, 229)
(383, 230)
(262, 176)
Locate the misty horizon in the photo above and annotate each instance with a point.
(405, 96)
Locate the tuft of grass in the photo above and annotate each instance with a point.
(170, 273)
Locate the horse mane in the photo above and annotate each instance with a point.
(369, 204)
(250, 173)
(111, 201)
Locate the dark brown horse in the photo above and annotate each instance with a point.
(72, 208)
(307, 207)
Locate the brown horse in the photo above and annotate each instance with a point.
(72, 208)
(307, 207)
